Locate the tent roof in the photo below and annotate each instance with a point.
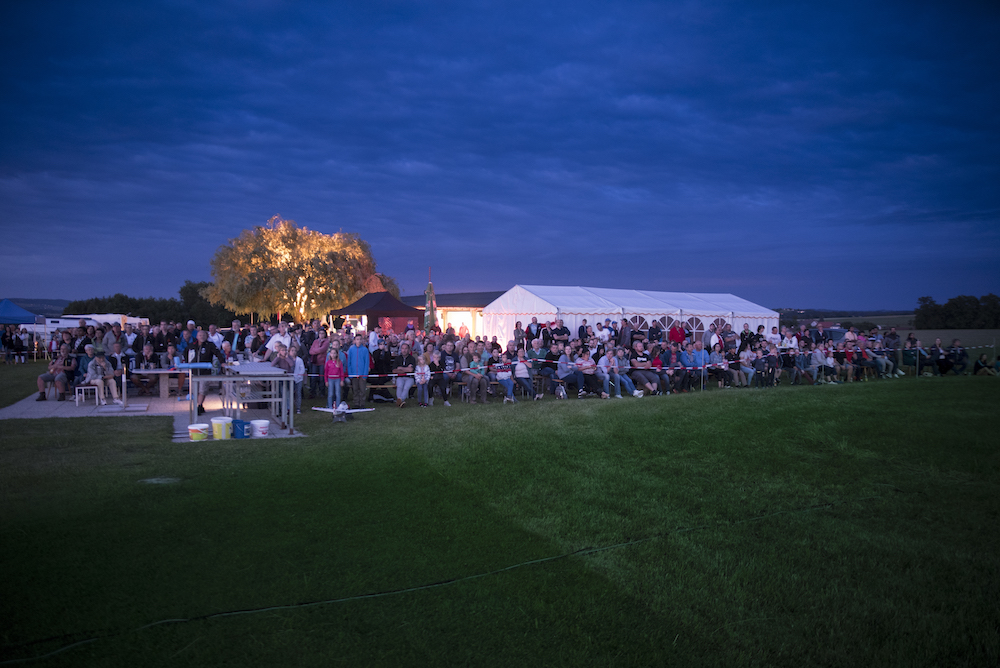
(380, 304)
(12, 314)
(546, 299)
(471, 300)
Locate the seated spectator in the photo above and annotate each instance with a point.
(622, 368)
(739, 377)
(567, 371)
(146, 360)
(101, 375)
(884, 361)
(790, 340)
(696, 358)
(504, 375)
(982, 367)
(958, 357)
(826, 371)
(862, 360)
(642, 369)
(719, 370)
(522, 375)
(804, 362)
(588, 367)
(403, 367)
(83, 361)
(774, 338)
(789, 367)
(475, 365)
(842, 364)
(747, 359)
(941, 362)
(61, 369)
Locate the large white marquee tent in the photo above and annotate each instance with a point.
(640, 307)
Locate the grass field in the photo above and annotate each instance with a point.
(839, 525)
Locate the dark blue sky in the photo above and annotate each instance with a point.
(842, 156)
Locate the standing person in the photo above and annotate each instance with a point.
(519, 336)
(422, 377)
(298, 377)
(200, 351)
(317, 358)
(676, 334)
(334, 372)
(358, 366)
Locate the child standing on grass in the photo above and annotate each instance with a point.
(298, 376)
(422, 376)
(333, 371)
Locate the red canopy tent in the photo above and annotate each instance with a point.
(382, 309)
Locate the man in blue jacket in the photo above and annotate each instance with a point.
(358, 365)
(696, 356)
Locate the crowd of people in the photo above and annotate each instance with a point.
(605, 360)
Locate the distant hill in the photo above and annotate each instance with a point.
(50, 308)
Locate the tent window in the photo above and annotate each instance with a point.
(719, 324)
(639, 323)
(697, 326)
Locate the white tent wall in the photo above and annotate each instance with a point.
(574, 304)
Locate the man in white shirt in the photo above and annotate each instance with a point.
(215, 336)
(774, 338)
(603, 334)
(373, 337)
(282, 337)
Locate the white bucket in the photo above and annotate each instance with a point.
(260, 427)
(222, 428)
(198, 432)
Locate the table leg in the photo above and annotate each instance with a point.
(165, 385)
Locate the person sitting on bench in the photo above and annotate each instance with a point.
(61, 369)
(101, 375)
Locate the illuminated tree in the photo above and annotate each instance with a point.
(283, 268)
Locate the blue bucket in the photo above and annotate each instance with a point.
(241, 429)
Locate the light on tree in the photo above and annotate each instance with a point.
(283, 268)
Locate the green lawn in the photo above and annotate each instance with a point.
(843, 525)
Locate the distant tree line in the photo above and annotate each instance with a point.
(962, 312)
(191, 306)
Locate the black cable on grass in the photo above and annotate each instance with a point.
(582, 552)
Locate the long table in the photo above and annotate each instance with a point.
(247, 384)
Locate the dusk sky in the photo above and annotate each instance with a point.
(794, 154)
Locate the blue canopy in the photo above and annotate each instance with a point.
(12, 314)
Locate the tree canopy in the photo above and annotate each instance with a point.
(961, 312)
(283, 268)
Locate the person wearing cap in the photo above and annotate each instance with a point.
(101, 375)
